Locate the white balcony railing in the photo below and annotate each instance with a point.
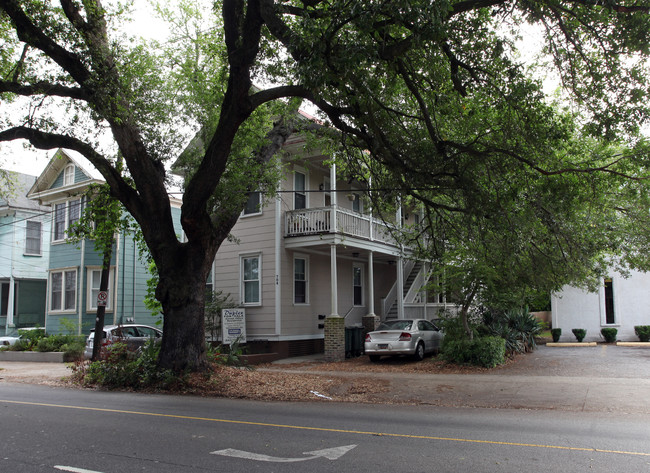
(319, 220)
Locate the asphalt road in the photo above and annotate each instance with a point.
(44, 429)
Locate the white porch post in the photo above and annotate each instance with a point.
(400, 268)
(334, 198)
(400, 288)
(10, 302)
(334, 278)
(370, 216)
(371, 284)
(278, 265)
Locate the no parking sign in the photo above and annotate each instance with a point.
(102, 298)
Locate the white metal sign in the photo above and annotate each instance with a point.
(102, 298)
(233, 325)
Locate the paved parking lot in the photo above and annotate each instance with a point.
(602, 361)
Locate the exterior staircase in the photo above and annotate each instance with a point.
(413, 277)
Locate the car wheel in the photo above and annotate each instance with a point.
(419, 352)
(374, 358)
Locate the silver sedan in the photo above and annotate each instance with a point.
(414, 337)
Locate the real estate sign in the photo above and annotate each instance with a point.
(233, 325)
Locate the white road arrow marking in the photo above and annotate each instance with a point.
(329, 453)
(74, 469)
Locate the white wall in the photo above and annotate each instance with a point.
(576, 308)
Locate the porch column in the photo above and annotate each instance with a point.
(333, 282)
(371, 285)
(334, 324)
(10, 303)
(278, 265)
(371, 217)
(400, 288)
(334, 198)
(333, 184)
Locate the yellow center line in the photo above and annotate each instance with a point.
(323, 429)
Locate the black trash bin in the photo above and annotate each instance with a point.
(353, 341)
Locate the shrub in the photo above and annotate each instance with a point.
(124, 368)
(609, 334)
(28, 339)
(556, 333)
(481, 351)
(56, 342)
(518, 327)
(579, 333)
(228, 355)
(643, 332)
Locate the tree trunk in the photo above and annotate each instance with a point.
(464, 311)
(181, 291)
(101, 310)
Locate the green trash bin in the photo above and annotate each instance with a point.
(353, 341)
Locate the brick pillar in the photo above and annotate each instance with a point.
(334, 339)
(370, 323)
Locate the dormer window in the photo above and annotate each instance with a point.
(68, 175)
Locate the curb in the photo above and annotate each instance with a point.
(633, 344)
(572, 344)
(32, 356)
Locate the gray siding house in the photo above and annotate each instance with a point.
(316, 251)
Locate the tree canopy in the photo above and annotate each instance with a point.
(435, 91)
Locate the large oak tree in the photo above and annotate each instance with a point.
(435, 91)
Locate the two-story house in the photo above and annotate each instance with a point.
(73, 270)
(24, 255)
(316, 251)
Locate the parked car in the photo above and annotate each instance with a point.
(133, 335)
(12, 339)
(413, 337)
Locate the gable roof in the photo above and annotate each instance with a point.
(16, 195)
(42, 189)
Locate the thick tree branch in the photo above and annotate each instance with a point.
(44, 88)
(44, 140)
(34, 36)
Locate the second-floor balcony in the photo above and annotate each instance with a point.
(331, 220)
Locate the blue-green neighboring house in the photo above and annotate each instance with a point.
(24, 255)
(73, 272)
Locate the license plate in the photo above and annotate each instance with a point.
(383, 346)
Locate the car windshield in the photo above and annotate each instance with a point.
(396, 325)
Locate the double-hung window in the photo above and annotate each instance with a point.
(63, 290)
(253, 204)
(300, 288)
(251, 269)
(94, 279)
(357, 285)
(33, 238)
(65, 214)
(299, 187)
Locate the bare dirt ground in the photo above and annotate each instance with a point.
(286, 382)
(389, 381)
